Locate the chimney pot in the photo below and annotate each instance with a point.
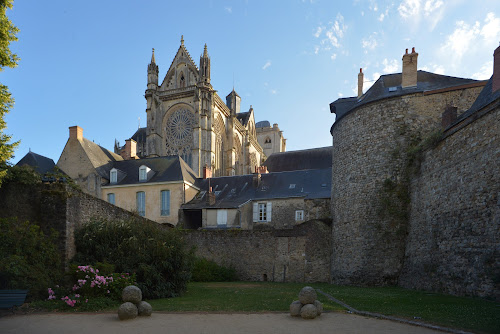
(413, 50)
(75, 132)
(406, 51)
(495, 85)
(361, 70)
(207, 172)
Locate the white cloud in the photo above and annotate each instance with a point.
(373, 5)
(390, 66)
(266, 65)
(228, 9)
(340, 94)
(381, 17)
(331, 35)
(369, 43)
(459, 41)
(318, 31)
(273, 91)
(484, 72)
(491, 28)
(431, 6)
(375, 76)
(333, 56)
(409, 8)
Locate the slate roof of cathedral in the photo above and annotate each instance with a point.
(243, 117)
(139, 136)
(263, 124)
(163, 169)
(234, 191)
(41, 163)
(315, 158)
(389, 85)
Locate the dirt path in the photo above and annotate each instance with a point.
(201, 323)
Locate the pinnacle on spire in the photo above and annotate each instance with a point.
(153, 57)
(205, 53)
(182, 39)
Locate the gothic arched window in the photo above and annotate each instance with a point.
(179, 134)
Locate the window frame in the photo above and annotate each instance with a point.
(113, 176)
(140, 200)
(113, 196)
(299, 215)
(165, 212)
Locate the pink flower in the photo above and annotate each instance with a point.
(86, 300)
(77, 296)
(108, 291)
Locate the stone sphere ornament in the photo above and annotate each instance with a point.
(132, 294)
(145, 309)
(127, 311)
(295, 308)
(308, 311)
(319, 306)
(307, 295)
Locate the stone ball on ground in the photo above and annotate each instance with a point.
(307, 295)
(145, 309)
(132, 294)
(319, 306)
(308, 311)
(295, 308)
(127, 311)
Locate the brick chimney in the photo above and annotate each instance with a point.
(361, 78)
(129, 152)
(75, 132)
(210, 197)
(207, 172)
(261, 170)
(409, 69)
(448, 117)
(496, 71)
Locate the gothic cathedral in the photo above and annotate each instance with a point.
(186, 117)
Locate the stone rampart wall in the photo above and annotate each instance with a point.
(453, 241)
(301, 254)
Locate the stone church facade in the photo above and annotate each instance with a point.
(186, 117)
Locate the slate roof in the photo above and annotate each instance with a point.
(263, 124)
(41, 163)
(234, 191)
(315, 158)
(163, 169)
(140, 136)
(243, 117)
(389, 85)
(99, 157)
(484, 98)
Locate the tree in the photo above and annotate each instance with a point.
(7, 59)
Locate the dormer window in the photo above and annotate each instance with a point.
(143, 173)
(113, 176)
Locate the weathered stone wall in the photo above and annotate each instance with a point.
(301, 254)
(368, 149)
(453, 240)
(56, 206)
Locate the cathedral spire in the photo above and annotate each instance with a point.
(153, 73)
(153, 57)
(205, 66)
(182, 39)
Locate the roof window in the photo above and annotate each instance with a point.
(143, 173)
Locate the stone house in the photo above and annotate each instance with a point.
(155, 188)
(87, 163)
(261, 200)
(421, 198)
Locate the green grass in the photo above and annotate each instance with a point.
(474, 314)
(237, 297)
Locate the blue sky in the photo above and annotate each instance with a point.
(84, 62)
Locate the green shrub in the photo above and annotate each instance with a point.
(208, 271)
(158, 257)
(28, 258)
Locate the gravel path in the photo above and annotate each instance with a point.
(202, 323)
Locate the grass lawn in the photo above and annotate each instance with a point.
(474, 314)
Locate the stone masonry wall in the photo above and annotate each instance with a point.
(301, 254)
(453, 241)
(368, 146)
(56, 206)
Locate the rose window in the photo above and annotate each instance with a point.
(179, 132)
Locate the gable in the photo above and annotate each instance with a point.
(183, 72)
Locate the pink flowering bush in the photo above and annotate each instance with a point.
(90, 284)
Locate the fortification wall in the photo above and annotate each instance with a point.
(369, 146)
(301, 254)
(453, 234)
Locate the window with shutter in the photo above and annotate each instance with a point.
(165, 203)
(141, 203)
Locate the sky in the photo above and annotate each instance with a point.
(85, 62)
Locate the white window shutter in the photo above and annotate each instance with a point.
(269, 211)
(255, 212)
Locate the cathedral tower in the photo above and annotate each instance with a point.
(205, 67)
